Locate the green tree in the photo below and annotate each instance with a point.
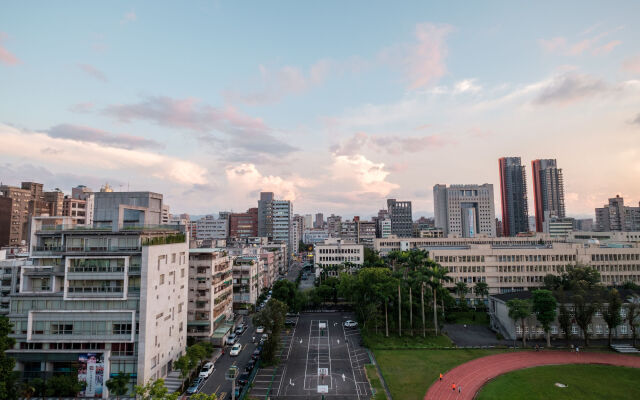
(481, 289)
(438, 276)
(63, 386)
(286, 292)
(8, 389)
(200, 352)
(462, 289)
(203, 396)
(565, 319)
(544, 307)
(184, 364)
(372, 259)
(119, 384)
(580, 277)
(611, 313)
(585, 305)
(272, 317)
(633, 315)
(519, 310)
(154, 390)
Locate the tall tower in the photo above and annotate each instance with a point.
(513, 191)
(548, 191)
(401, 217)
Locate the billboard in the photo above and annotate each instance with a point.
(91, 374)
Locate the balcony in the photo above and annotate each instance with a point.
(95, 291)
(102, 249)
(46, 250)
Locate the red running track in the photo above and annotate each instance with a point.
(475, 373)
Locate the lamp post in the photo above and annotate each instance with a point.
(231, 375)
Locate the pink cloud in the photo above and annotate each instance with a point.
(632, 65)
(606, 49)
(392, 144)
(84, 107)
(553, 45)
(93, 72)
(424, 60)
(5, 56)
(561, 45)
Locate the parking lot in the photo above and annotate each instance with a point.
(320, 357)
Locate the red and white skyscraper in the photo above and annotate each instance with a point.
(548, 191)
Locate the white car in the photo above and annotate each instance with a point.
(260, 329)
(206, 371)
(350, 324)
(235, 350)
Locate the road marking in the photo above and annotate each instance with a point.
(351, 362)
(216, 391)
(222, 395)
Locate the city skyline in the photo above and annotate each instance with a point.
(232, 103)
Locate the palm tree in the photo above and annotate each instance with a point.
(438, 275)
(481, 289)
(462, 289)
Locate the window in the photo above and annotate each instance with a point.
(574, 329)
(623, 329)
(121, 329)
(162, 279)
(62, 329)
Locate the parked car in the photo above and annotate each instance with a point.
(232, 339)
(206, 371)
(235, 350)
(243, 379)
(350, 324)
(195, 386)
(260, 329)
(265, 336)
(240, 329)
(250, 365)
(256, 354)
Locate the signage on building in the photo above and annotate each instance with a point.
(91, 374)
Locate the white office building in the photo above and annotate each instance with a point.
(465, 210)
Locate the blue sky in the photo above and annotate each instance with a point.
(336, 105)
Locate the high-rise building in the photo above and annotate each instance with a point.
(274, 219)
(548, 191)
(243, 225)
(465, 210)
(513, 194)
(585, 224)
(319, 222)
(113, 300)
(615, 216)
(210, 227)
(308, 221)
(127, 209)
(265, 227)
(401, 217)
(297, 230)
(333, 225)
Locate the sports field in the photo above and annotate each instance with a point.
(584, 382)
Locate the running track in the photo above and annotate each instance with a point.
(475, 373)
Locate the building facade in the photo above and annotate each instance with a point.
(465, 210)
(333, 253)
(615, 216)
(401, 217)
(212, 228)
(548, 191)
(243, 225)
(247, 280)
(127, 209)
(513, 196)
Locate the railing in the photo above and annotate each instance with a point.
(95, 289)
(47, 249)
(86, 249)
(96, 269)
(134, 269)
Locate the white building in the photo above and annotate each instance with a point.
(210, 227)
(335, 252)
(465, 210)
(313, 236)
(247, 280)
(384, 227)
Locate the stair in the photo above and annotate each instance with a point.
(173, 381)
(624, 348)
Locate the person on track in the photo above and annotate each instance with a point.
(453, 387)
(441, 377)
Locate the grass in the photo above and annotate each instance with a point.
(379, 341)
(584, 382)
(409, 373)
(468, 317)
(375, 381)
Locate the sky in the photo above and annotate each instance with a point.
(334, 105)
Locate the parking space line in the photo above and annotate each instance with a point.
(351, 362)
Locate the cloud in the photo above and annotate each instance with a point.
(632, 65)
(84, 107)
(606, 48)
(93, 72)
(570, 87)
(7, 57)
(241, 131)
(100, 158)
(92, 135)
(636, 120)
(562, 45)
(129, 16)
(467, 85)
(554, 44)
(360, 175)
(392, 144)
(246, 176)
(423, 61)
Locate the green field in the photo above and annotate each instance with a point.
(585, 382)
(374, 379)
(379, 341)
(409, 373)
(468, 317)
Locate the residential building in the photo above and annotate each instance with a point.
(333, 225)
(113, 298)
(265, 214)
(513, 195)
(333, 253)
(366, 233)
(548, 191)
(210, 295)
(297, 230)
(465, 210)
(274, 219)
(319, 222)
(557, 227)
(54, 202)
(166, 213)
(349, 231)
(247, 281)
(10, 269)
(615, 216)
(314, 236)
(243, 225)
(308, 221)
(584, 224)
(384, 227)
(212, 228)
(126, 209)
(401, 217)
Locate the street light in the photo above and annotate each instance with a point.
(231, 375)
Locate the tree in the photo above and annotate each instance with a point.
(203, 396)
(544, 306)
(462, 289)
(8, 388)
(372, 259)
(519, 310)
(154, 391)
(184, 364)
(565, 321)
(438, 275)
(286, 292)
(611, 313)
(197, 354)
(633, 315)
(481, 290)
(585, 305)
(272, 317)
(63, 386)
(119, 384)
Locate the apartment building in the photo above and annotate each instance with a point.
(243, 225)
(334, 252)
(10, 269)
(513, 196)
(401, 217)
(615, 216)
(127, 209)
(247, 280)
(115, 299)
(210, 228)
(313, 236)
(210, 293)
